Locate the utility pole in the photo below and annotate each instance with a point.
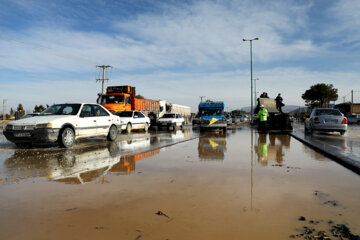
(251, 77)
(201, 97)
(352, 102)
(4, 111)
(104, 67)
(255, 93)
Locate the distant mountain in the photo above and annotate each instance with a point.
(286, 109)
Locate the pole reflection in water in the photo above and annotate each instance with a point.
(272, 151)
(252, 168)
(212, 146)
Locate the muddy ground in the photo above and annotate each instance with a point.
(239, 185)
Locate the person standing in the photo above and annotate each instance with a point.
(262, 115)
(279, 103)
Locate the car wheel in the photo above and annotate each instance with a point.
(182, 126)
(146, 128)
(342, 132)
(128, 128)
(67, 138)
(112, 135)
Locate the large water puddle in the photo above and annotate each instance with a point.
(239, 185)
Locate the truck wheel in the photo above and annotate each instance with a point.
(128, 128)
(112, 135)
(23, 144)
(146, 128)
(66, 138)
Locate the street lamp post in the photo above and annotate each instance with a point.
(251, 76)
(255, 92)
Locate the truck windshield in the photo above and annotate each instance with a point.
(112, 99)
(62, 109)
(169, 116)
(210, 112)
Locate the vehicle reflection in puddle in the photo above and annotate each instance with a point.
(75, 166)
(86, 163)
(212, 146)
(271, 150)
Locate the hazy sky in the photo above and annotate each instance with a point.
(177, 50)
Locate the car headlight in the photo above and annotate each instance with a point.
(44, 125)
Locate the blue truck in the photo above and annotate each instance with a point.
(212, 116)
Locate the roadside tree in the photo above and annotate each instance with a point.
(320, 95)
(39, 108)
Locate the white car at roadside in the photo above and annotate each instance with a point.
(133, 120)
(171, 120)
(64, 123)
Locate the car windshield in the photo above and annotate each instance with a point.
(125, 114)
(210, 112)
(327, 112)
(62, 109)
(112, 99)
(169, 116)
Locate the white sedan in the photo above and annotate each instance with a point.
(133, 120)
(171, 120)
(64, 123)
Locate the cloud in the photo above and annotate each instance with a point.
(232, 87)
(175, 51)
(202, 35)
(345, 28)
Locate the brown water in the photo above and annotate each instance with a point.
(235, 186)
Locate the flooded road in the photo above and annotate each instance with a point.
(239, 185)
(347, 145)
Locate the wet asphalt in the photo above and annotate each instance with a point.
(179, 185)
(343, 149)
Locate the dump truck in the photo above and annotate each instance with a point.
(211, 115)
(277, 121)
(122, 98)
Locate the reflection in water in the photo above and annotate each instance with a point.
(212, 146)
(76, 166)
(85, 164)
(127, 162)
(272, 151)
